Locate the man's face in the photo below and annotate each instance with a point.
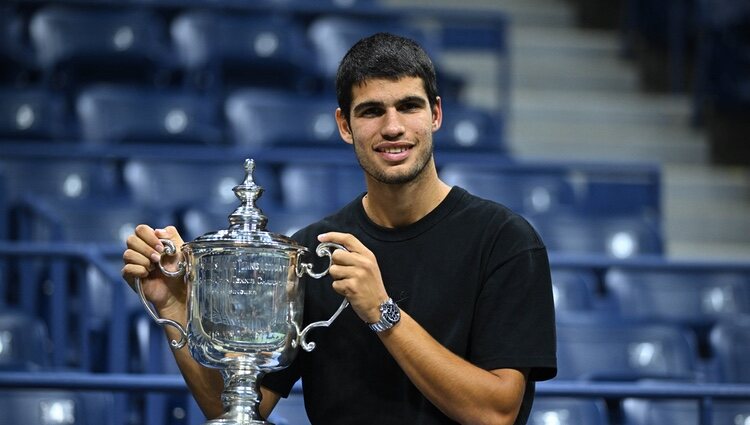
(391, 128)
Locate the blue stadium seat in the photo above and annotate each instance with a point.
(332, 36)
(590, 347)
(470, 129)
(106, 220)
(243, 49)
(39, 407)
(115, 114)
(323, 188)
(32, 113)
(173, 185)
(568, 411)
(617, 237)
(16, 57)
(79, 45)
(59, 179)
(259, 117)
(573, 290)
(730, 343)
(24, 342)
(682, 412)
(686, 296)
(525, 193)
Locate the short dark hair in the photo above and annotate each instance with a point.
(383, 55)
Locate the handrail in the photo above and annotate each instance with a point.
(175, 383)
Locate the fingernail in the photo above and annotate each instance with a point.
(159, 248)
(155, 257)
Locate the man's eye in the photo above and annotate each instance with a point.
(371, 112)
(409, 106)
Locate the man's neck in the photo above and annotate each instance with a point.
(394, 206)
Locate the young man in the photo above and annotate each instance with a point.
(452, 318)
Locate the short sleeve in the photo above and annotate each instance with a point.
(514, 324)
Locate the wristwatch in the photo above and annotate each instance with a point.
(390, 314)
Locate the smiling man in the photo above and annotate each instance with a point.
(452, 318)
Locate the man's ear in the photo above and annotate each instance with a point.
(437, 114)
(344, 129)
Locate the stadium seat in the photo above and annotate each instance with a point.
(24, 342)
(105, 220)
(323, 188)
(617, 237)
(40, 407)
(593, 348)
(573, 290)
(691, 297)
(683, 412)
(173, 185)
(79, 45)
(469, 129)
(259, 118)
(241, 48)
(32, 113)
(568, 411)
(58, 179)
(730, 344)
(523, 192)
(16, 57)
(123, 114)
(332, 36)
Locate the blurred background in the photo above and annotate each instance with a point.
(619, 128)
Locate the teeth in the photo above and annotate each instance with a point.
(393, 150)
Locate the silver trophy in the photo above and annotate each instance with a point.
(245, 302)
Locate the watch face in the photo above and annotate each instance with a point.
(391, 312)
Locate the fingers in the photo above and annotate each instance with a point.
(145, 248)
(349, 242)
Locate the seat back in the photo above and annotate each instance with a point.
(114, 114)
(32, 114)
(524, 192)
(682, 412)
(40, 407)
(618, 237)
(243, 48)
(75, 45)
(24, 342)
(730, 343)
(568, 411)
(259, 117)
(693, 297)
(598, 349)
(175, 185)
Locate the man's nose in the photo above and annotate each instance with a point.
(392, 125)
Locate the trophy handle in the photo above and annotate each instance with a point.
(169, 249)
(325, 249)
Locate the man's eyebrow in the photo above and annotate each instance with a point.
(367, 104)
(377, 104)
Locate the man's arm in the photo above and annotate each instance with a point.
(461, 390)
(464, 392)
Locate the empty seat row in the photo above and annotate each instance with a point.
(209, 47)
(249, 117)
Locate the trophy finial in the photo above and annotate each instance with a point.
(248, 193)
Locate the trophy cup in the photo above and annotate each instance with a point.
(245, 302)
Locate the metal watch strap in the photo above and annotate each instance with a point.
(390, 314)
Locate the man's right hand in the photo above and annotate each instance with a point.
(168, 295)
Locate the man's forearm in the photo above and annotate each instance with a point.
(461, 390)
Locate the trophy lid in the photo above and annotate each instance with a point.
(247, 224)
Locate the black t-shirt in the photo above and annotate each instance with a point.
(472, 273)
